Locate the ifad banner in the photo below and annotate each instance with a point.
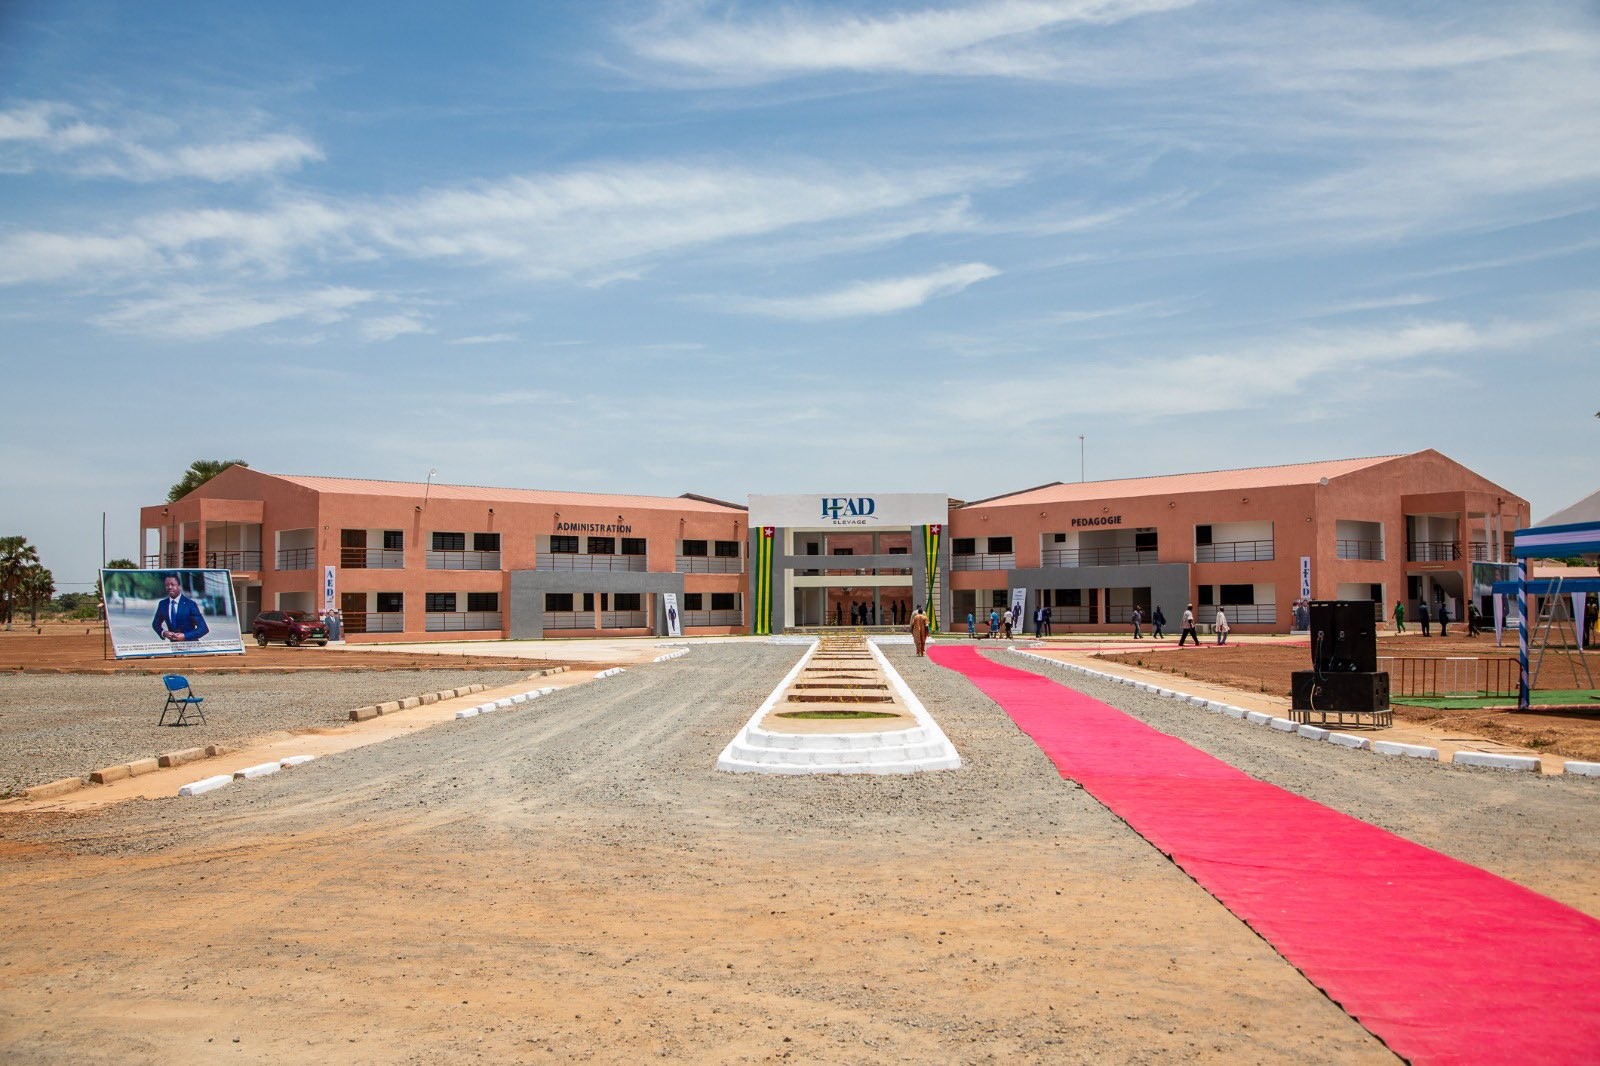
(669, 603)
(152, 613)
(1305, 577)
(329, 588)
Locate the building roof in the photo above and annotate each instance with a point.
(1586, 511)
(487, 494)
(1252, 477)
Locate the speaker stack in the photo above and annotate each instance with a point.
(1344, 676)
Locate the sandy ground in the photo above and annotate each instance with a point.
(573, 880)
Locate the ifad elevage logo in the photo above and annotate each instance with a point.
(840, 508)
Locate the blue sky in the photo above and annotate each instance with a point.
(724, 248)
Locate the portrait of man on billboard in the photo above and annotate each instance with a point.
(178, 617)
(171, 612)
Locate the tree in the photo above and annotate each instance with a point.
(38, 583)
(200, 471)
(16, 556)
(115, 564)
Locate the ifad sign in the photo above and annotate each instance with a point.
(828, 510)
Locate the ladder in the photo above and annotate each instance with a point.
(1555, 618)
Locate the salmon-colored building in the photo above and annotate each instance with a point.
(421, 561)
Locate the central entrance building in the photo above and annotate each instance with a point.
(845, 559)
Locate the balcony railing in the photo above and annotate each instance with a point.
(590, 563)
(708, 564)
(1365, 550)
(374, 621)
(1234, 551)
(1480, 551)
(1000, 561)
(233, 560)
(713, 618)
(372, 558)
(1250, 614)
(1100, 556)
(1076, 616)
(296, 558)
(462, 621)
(568, 620)
(463, 560)
(152, 562)
(623, 620)
(1433, 551)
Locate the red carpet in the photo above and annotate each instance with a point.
(1442, 961)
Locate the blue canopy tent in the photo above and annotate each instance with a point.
(1569, 532)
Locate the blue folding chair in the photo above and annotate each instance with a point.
(188, 704)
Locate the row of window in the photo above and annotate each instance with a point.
(445, 602)
(598, 546)
(632, 601)
(395, 540)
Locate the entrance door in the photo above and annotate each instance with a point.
(353, 609)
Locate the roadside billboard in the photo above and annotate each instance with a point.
(153, 613)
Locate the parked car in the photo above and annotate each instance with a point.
(292, 627)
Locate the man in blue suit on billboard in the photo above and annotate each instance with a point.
(178, 618)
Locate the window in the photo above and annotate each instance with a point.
(723, 601)
(633, 546)
(558, 601)
(449, 542)
(999, 598)
(1206, 595)
(625, 601)
(691, 601)
(696, 548)
(813, 548)
(588, 601)
(602, 545)
(1375, 593)
(483, 601)
(1144, 540)
(844, 551)
(1202, 534)
(1061, 538)
(486, 542)
(394, 540)
(441, 603)
(564, 546)
(899, 551)
(390, 602)
(727, 549)
(1069, 598)
(352, 538)
(999, 545)
(1238, 595)
(964, 546)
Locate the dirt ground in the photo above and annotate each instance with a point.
(81, 649)
(1266, 668)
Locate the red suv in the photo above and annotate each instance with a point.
(292, 627)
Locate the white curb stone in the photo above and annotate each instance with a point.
(470, 712)
(1312, 732)
(210, 784)
(503, 703)
(1257, 717)
(295, 760)
(1582, 769)
(1233, 712)
(1282, 725)
(1495, 761)
(251, 772)
(1345, 740)
(1410, 751)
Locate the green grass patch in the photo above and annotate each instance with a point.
(836, 715)
(1576, 697)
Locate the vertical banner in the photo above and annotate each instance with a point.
(1305, 577)
(930, 540)
(763, 576)
(1499, 618)
(329, 599)
(1019, 603)
(669, 603)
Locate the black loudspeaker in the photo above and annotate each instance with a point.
(1344, 637)
(1364, 693)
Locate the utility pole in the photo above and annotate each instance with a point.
(1081, 467)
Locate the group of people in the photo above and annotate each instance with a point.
(1158, 625)
(866, 614)
(1004, 623)
(1425, 617)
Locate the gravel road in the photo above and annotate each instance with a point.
(65, 725)
(578, 871)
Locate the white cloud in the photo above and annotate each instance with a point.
(485, 338)
(388, 327)
(874, 297)
(198, 314)
(219, 161)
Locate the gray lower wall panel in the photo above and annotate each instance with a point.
(529, 586)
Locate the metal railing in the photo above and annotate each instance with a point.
(1100, 556)
(623, 620)
(1451, 676)
(296, 558)
(233, 559)
(1480, 551)
(1432, 551)
(461, 621)
(589, 563)
(1234, 551)
(1364, 550)
(152, 562)
(708, 564)
(372, 558)
(568, 620)
(1072, 616)
(713, 618)
(1003, 561)
(463, 560)
(374, 621)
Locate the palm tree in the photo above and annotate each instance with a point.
(38, 583)
(200, 471)
(16, 556)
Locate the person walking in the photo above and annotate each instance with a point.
(1444, 618)
(1423, 617)
(919, 630)
(1399, 616)
(1188, 633)
(1048, 611)
(1474, 620)
(1038, 623)
(972, 626)
(1158, 622)
(1137, 618)
(1591, 616)
(1222, 628)
(994, 623)
(1005, 625)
